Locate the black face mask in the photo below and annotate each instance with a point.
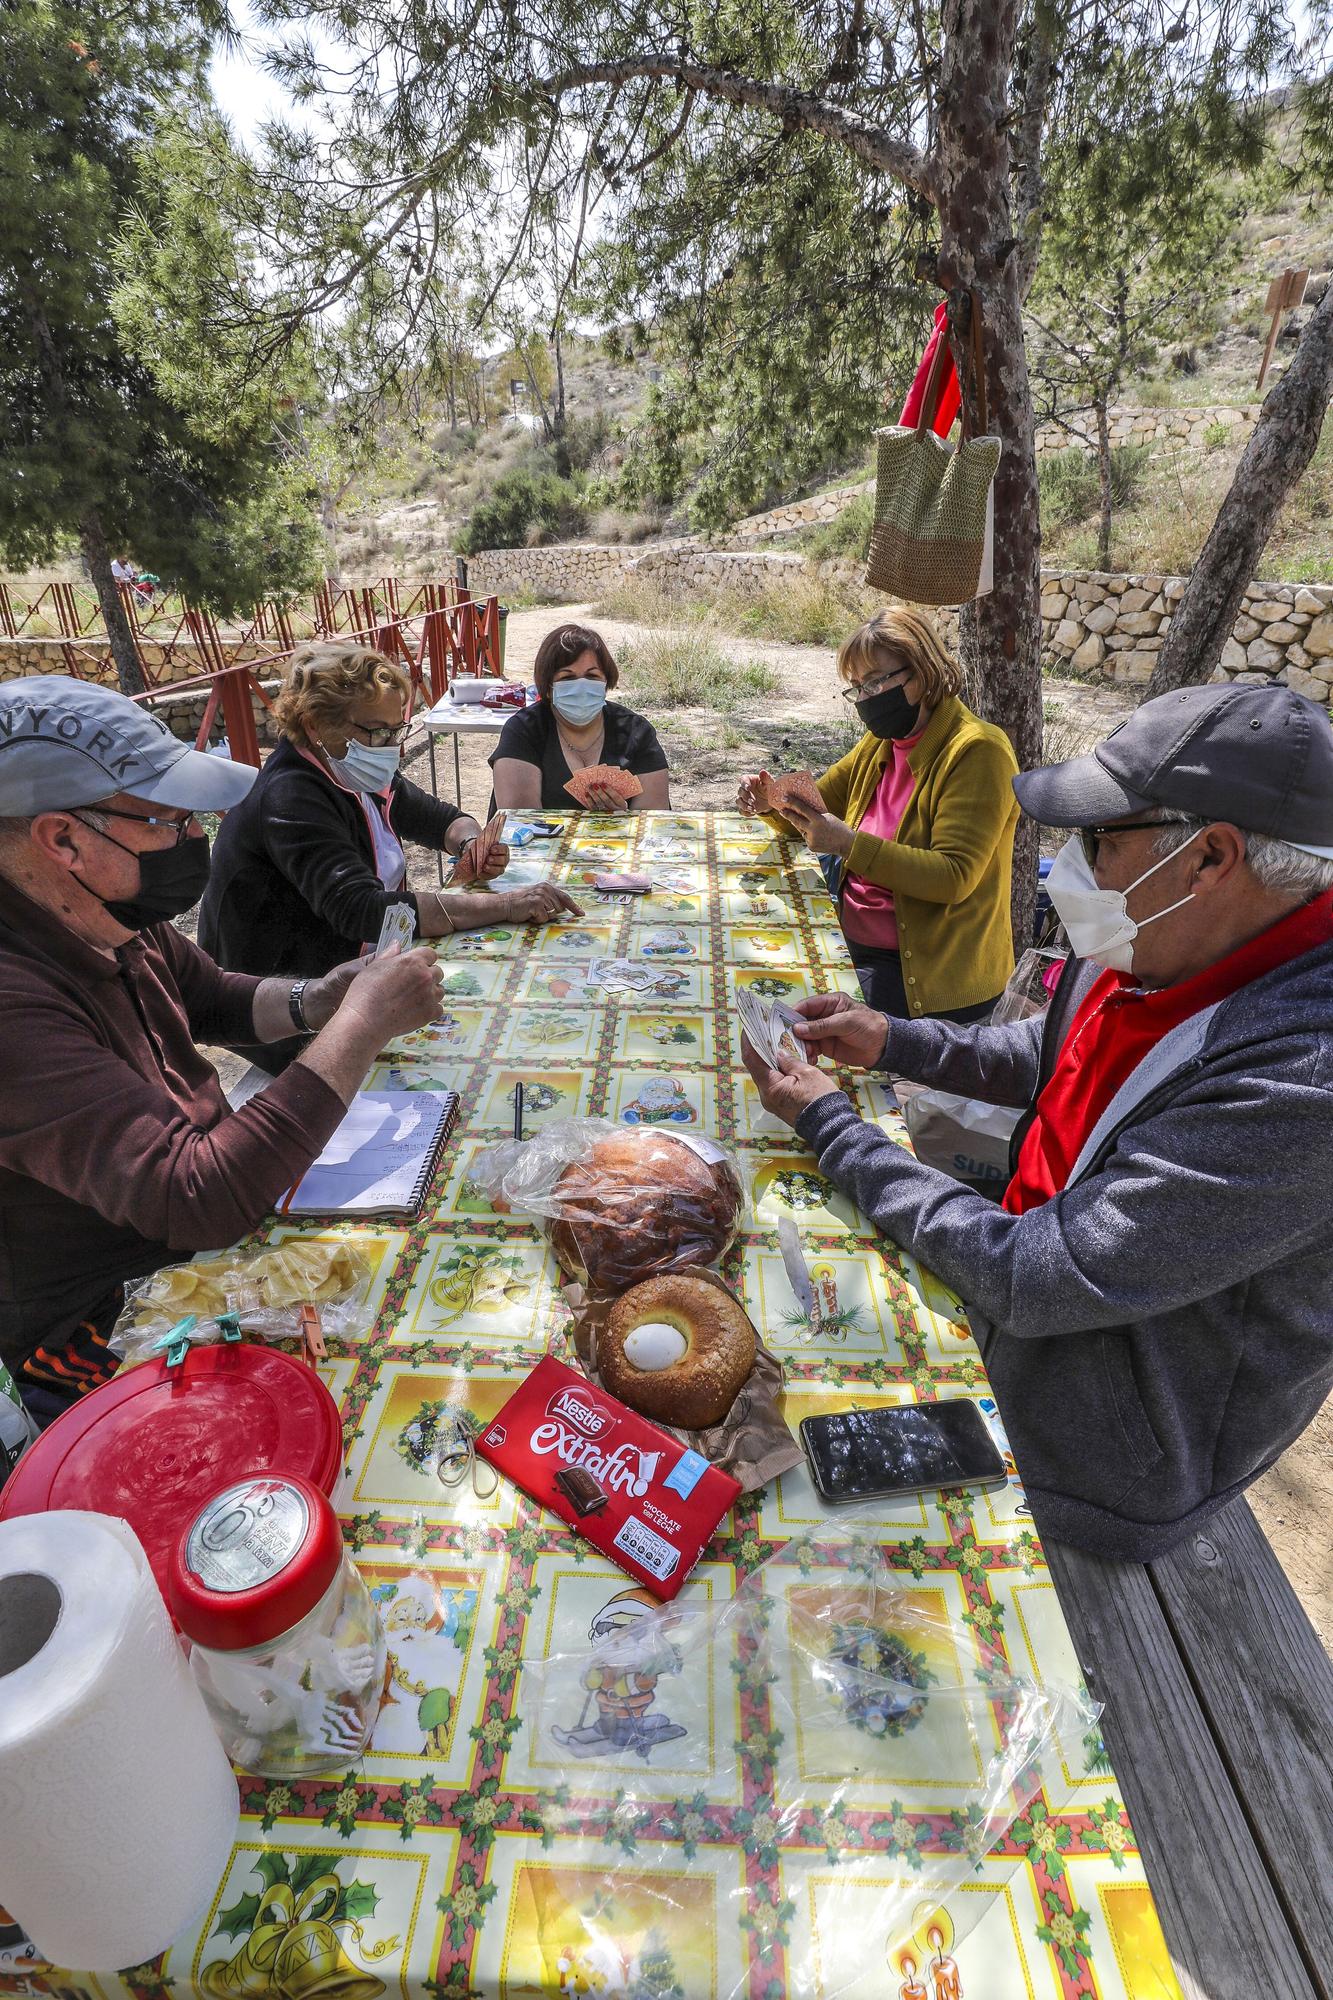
(889, 713)
(171, 881)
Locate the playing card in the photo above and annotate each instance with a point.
(603, 777)
(785, 1042)
(399, 927)
(623, 885)
(798, 785)
(619, 975)
(754, 1020)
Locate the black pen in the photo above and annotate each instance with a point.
(518, 1111)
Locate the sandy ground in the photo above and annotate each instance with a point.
(1293, 1502)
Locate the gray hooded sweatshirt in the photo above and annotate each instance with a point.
(1159, 1331)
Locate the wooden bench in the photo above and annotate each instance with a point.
(1219, 1722)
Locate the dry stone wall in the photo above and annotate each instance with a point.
(1115, 625)
(1159, 429)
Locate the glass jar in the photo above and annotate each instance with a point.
(287, 1646)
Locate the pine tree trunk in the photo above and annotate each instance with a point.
(1000, 633)
(559, 384)
(123, 649)
(1283, 443)
(1104, 474)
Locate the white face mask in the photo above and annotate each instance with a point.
(1098, 920)
(367, 767)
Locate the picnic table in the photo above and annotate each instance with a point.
(459, 1858)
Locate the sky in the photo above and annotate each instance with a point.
(245, 95)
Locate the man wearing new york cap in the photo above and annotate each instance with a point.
(1154, 1295)
(118, 1151)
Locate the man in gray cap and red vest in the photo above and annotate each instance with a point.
(1154, 1295)
(118, 1151)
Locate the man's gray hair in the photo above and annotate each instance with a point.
(1275, 864)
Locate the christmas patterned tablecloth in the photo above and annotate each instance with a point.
(464, 1856)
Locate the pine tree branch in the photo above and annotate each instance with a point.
(797, 109)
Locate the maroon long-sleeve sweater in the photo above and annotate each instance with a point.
(118, 1151)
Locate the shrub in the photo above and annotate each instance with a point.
(687, 670)
(1216, 434)
(806, 608)
(525, 507)
(847, 534)
(1070, 483)
(585, 439)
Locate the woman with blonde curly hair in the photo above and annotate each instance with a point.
(306, 866)
(916, 831)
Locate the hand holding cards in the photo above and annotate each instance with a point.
(769, 1028)
(622, 785)
(471, 863)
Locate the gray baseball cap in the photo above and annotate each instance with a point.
(67, 743)
(1260, 758)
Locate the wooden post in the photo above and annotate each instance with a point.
(1284, 295)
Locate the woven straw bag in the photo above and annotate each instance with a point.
(933, 537)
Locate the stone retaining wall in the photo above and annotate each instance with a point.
(1172, 429)
(1114, 626)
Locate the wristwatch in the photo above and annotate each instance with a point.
(296, 1006)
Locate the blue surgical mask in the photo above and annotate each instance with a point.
(367, 768)
(578, 701)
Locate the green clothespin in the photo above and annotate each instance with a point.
(176, 1342)
(230, 1324)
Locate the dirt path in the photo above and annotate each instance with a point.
(804, 720)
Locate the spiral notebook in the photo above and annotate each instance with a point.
(380, 1159)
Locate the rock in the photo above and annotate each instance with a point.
(1306, 600)
(1134, 666)
(1089, 656)
(1054, 606)
(1246, 629)
(1233, 656)
(1067, 635)
(1269, 611)
(1263, 657)
(1100, 618)
(1281, 634)
(1173, 589)
(1298, 657)
(1319, 639)
(1138, 624)
(1136, 600)
(1306, 684)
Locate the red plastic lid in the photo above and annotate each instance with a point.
(253, 1562)
(154, 1444)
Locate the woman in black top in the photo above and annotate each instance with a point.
(574, 726)
(306, 865)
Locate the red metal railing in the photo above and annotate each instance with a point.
(434, 631)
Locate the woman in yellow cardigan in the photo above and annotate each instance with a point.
(921, 817)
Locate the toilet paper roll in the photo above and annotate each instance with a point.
(117, 1804)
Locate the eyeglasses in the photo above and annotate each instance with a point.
(379, 738)
(864, 692)
(180, 827)
(1091, 835)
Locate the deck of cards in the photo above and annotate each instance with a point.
(399, 927)
(622, 785)
(478, 852)
(769, 1028)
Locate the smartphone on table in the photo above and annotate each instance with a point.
(910, 1448)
